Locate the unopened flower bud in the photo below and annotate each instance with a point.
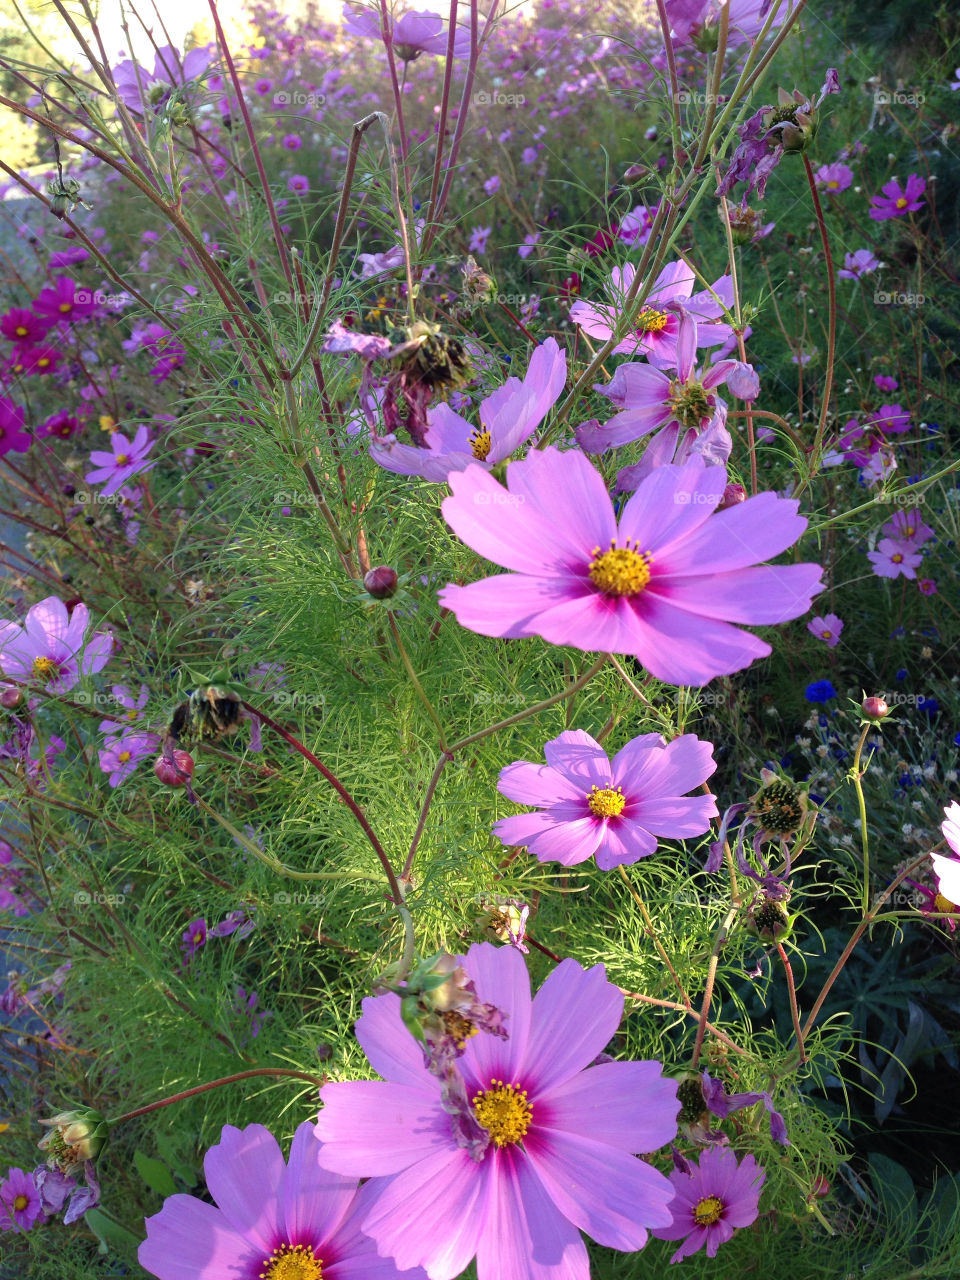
(10, 698)
(874, 708)
(381, 582)
(74, 1137)
(733, 495)
(175, 771)
(478, 286)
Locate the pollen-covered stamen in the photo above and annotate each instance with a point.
(481, 443)
(20, 1203)
(505, 1113)
(689, 402)
(292, 1262)
(707, 1211)
(621, 571)
(902, 202)
(779, 808)
(122, 459)
(457, 1027)
(652, 321)
(604, 802)
(942, 904)
(45, 668)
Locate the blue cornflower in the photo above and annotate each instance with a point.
(820, 691)
(930, 705)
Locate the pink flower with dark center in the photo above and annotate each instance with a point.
(51, 647)
(891, 559)
(61, 425)
(907, 526)
(614, 811)
(711, 1201)
(291, 141)
(120, 757)
(664, 584)
(827, 629)
(13, 438)
(127, 459)
(270, 1219)
(22, 326)
(928, 586)
(65, 302)
(34, 361)
(20, 1205)
(885, 383)
(897, 201)
(891, 419)
(555, 1137)
(508, 417)
(299, 184)
(658, 325)
(132, 708)
(193, 937)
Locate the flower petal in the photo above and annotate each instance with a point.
(191, 1240)
(244, 1173)
(575, 1014)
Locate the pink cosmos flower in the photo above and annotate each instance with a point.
(907, 526)
(658, 325)
(664, 585)
(412, 34)
(947, 869)
(711, 1200)
(132, 708)
(51, 647)
(827, 628)
(34, 361)
(478, 239)
(508, 417)
(891, 419)
(270, 1219)
(859, 263)
(126, 459)
(20, 1205)
(896, 200)
(928, 586)
(891, 559)
(612, 811)
(22, 326)
(169, 70)
(885, 382)
(65, 302)
(121, 755)
(61, 424)
(687, 417)
(13, 438)
(299, 184)
(374, 264)
(559, 1134)
(834, 177)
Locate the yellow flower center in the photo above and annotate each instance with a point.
(107, 423)
(459, 1028)
(65, 308)
(43, 362)
(606, 803)
(44, 668)
(20, 1203)
(132, 714)
(292, 1262)
(651, 321)
(833, 184)
(902, 202)
(122, 459)
(504, 1112)
(21, 331)
(707, 1211)
(480, 444)
(940, 903)
(896, 557)
(123, 757)
(826, 635)
(909, 531)
(621, 571)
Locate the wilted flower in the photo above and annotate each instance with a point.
(75, 1137)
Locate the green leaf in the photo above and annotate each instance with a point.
(155, 1174)
(109, 1232)
(894, 1187)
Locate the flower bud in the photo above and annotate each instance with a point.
(733, 495)
(74, 1137)
(10, 697)
(381, 582)
(874, 708)
(478, 286)
(767, 917)
(175, 771)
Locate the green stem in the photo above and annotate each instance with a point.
(856, 777)
(215, 1084)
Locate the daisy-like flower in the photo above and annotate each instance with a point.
(614, 811)
(657, 328)
(859, 263)
(20, 1205)
(711, 1200)
(299, 184)
(947, 869)
(121, 755)
(559, 1135)
(412, 34)
(51, 647)
(834, 177)
(827, 628)
(22, 326)
(127, 459)
(144, 90)
(907, 526)
(34, 361)
(65, 302)
(897, 201)
(928, 586)
(891, 559)
(890, 419)
(194, 937)
(13, 438)
(271, 1220)
(60, 425)
(664, 586)
(132, 708)
(508, 417)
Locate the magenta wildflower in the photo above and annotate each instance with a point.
(896, 200)
(22, 326)
(36, 361)
(891, 559)
(614, 811)
(529, 244)
(664, 585)
(885, 383)
(132, 706)
(127, 459)
(834, 177)
(559, 1135)
(51, 647)
(928, 586)
(65, 302)
(891, 419)
(299, 184)
(194, 937)
(374, 264)
(827, 628)
(859, 263)
(478, 239)
(20, 1205)
(658, 326)
(492, 185)
(13, 438)
(722, 1104)
(711, 1201)
(291, 142)
(61, 424)
(121, 755)
(270, 1219)
(239, 922)
(169, 72)
(508, 417)
(907, 526)
(412, 34)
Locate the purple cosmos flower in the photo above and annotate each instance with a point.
(682, 410)
(614, 811)
(35, 361)
(127, 459)
(369, 346)
(722, 1104)
(529, 245)
(271, 1219)
(636, 225)
(239, 922)
(492, 184)
(658, 325)
(508, 417)
(711, 1200)
(664, 585)
(61, 424)
(896, 200)
(22, 326)
(57, 1189)
(169, 71)
(374, 264)
(557, 1136)
(834, 177)
(947, 869)
(859, 263)
(478, 239)
(71, 257)
(414, 33)
(891, 559)
(194, 937)
(291, 141)
(885, 383)
(65, 301)
(299, 184)
(133, 707)
(50, 648)
(928, 586)
(121, 755)
(13, 438)
(20, 1205)
(827, 628)
(907, 526)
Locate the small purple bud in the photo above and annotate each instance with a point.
(733, 495)
(381, 582)
(744, 381)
